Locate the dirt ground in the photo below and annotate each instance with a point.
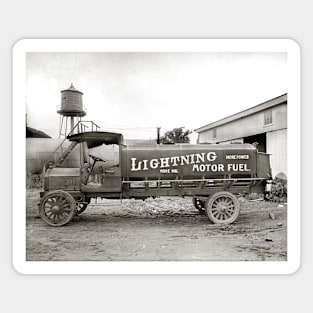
(163, 229)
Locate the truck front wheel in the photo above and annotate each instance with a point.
(57, 208)
(222, 208)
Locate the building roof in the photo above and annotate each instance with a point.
(34, 133)
(263, 106)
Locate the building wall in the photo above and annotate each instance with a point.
(237, 130)
(236, 140)
(277, 147)
(246, 126)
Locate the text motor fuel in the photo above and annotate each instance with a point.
(171, 161)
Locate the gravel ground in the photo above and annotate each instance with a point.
(162, 229)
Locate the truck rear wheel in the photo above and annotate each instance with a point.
(199, 205)
(57, 208)
(222, 208)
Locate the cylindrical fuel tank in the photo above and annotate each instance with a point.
(185, 161)
(107, 153)
(40, 150)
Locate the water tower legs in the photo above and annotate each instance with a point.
(64, 120)
(72, 122)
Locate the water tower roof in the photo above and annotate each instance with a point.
(72, 88)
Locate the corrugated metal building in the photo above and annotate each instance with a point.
(264, 124)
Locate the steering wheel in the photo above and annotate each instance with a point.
(95, 159)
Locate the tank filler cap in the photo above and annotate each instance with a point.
(72, 87)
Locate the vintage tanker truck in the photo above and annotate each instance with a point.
(211, 174)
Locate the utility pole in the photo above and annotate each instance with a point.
(158, 135)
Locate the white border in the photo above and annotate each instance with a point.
(155, 45)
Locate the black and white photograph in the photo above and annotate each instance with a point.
(157, 156)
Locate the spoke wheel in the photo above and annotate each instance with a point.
(199, 205)
(57, 208)
(81, 207)
(222, 208)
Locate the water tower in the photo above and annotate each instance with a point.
(71, 110)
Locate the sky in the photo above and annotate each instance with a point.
(134, 93)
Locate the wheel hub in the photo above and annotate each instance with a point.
(57, 209)
(222, 208)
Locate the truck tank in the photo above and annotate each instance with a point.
(185, 161)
